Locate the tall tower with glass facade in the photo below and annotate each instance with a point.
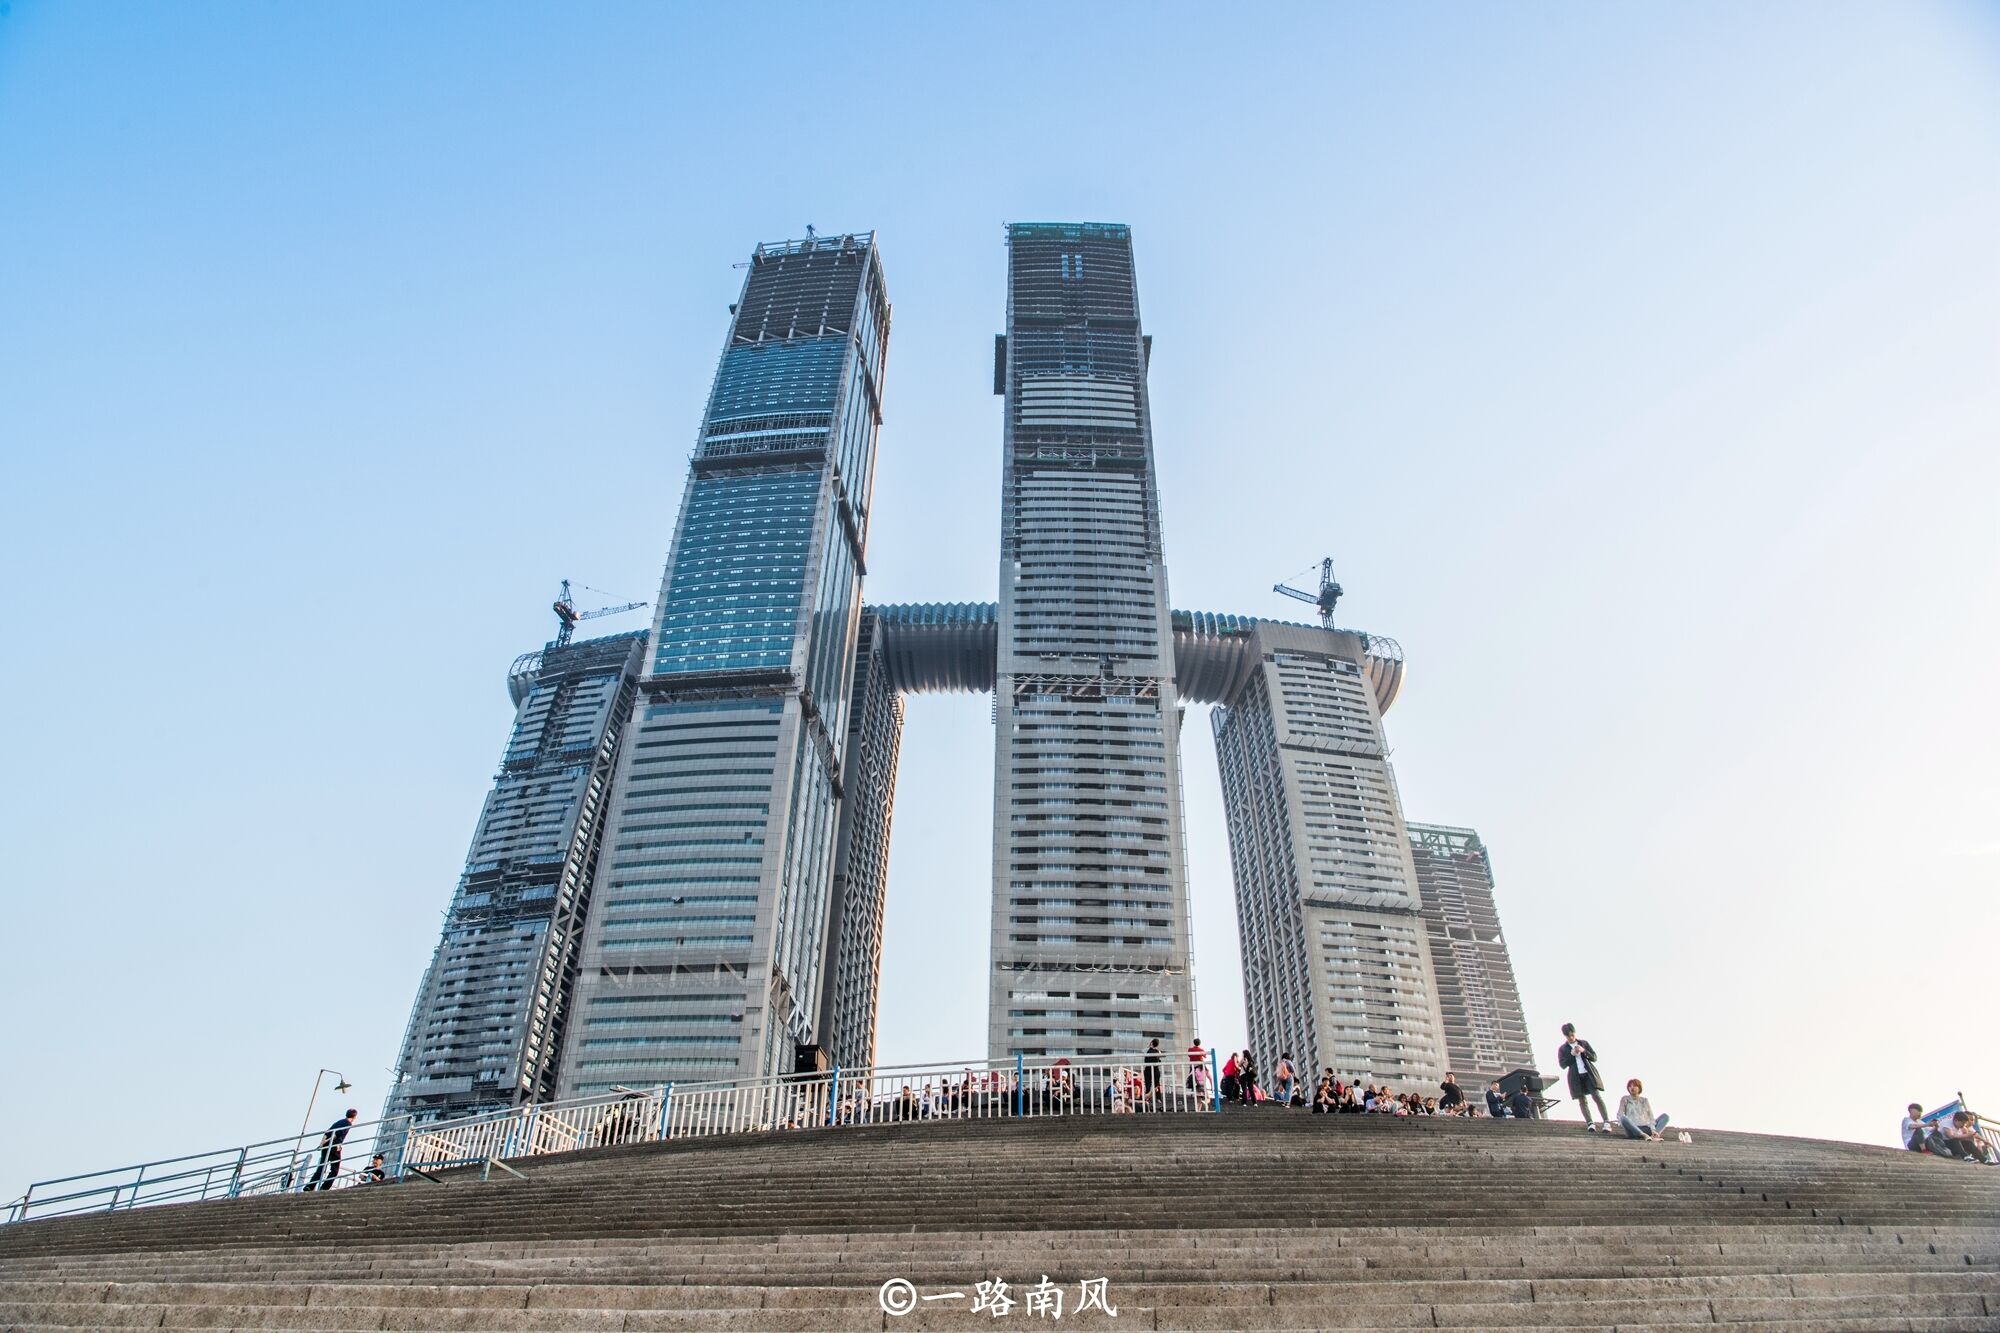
(1336, 964)
(705, 951)
(1485, 1032)
(1090, 947)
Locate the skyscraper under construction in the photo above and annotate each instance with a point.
(705, 949)
(1336, 967)
(1090, 905)
(729, 778)
(1485, 1033)
(488, 1024)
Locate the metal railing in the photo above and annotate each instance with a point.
(980, 1090)
(308, 1161)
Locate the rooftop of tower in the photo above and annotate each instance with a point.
(831, 241)
(1070, 231)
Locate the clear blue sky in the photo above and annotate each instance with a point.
(1640, 364)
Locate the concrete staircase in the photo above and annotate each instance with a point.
(1260, 1219)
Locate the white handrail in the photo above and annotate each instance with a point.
(964, 1090)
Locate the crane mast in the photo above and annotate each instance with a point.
(1325, 599)
(567, 615)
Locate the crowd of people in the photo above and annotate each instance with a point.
(1151, 1085)
(1160, 1082)
(1330, 1094)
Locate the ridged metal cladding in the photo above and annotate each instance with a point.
(1384, 665)
(521, 676)
(941, 647)
(947, 647)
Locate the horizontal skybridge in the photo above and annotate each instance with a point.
(942, 647)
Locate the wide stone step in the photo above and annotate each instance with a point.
(843, 1310)
(652, 1264)
(1192, 1262)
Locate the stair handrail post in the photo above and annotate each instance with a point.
(236, 1174)
(1020, 1086)
(534, 1114)
(137, 1181)
(666, 1104)
(1215, 1079)
(833, 1098)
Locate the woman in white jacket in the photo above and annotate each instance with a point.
(1635, 1114)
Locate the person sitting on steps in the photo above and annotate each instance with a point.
(1635, 1114)
(1961, 1139)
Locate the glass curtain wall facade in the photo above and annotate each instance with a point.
(1485, 1032)
(861, 858)
(705, 954)
(1090, 950)
(490, 1016)
(1336, 966)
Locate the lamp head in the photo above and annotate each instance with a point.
(343, 1085)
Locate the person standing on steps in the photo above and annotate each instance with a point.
(1246, 1079)
(1579, 1058)
(1152, 1067)
(1635, 1114)
(329, 1151)
(1283, 1080)
(1496, 1105)
(1198, 1070)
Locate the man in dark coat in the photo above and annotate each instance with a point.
(1579, 1058)
(329, 1151)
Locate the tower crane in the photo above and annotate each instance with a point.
(567, 613)
(1325, 599)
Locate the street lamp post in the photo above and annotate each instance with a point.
(305, 1125)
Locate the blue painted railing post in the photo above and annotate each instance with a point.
(666, 1102)
(534, 1113)
(236, 1176)
(1020, 1088)
(833, 1098)
(507, 1144)
(1215, 1078)
(403, 1152)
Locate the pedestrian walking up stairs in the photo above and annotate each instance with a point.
(1261, 1219)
